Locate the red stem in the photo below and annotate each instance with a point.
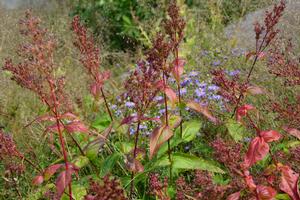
(134, 156)
(61, 139)
(106, 105)
(167, 124)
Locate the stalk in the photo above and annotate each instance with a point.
(62, 143)
(134, 156)
(106, 105)
(257, 53)
(167, 124)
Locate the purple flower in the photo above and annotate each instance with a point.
(158, 98)
(216, 97)
(143, 127)
(212, 88)
(131, 130)
(129, 104)
(183, 91)
(234, 72)
(185, 82)
(193, 74)
(161, 111)
(216, 63)
(200, 92)
(113, 107)
(201, 85)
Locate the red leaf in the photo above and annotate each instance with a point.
(178, 68)
(258, 149)
(249, 181)
(254, 90)
(292, 131)
(76, 126)
(69, 115)
(129, 120)
(38, 180)
(270, 135)
(49, 171)
(243, 110)
(54, 128)
(265, 192)
(134, 165)
(159, 136)
(63, 181)
(203, 110)
(171, 95)
(45, 118)
(234, 196)
(289, 182)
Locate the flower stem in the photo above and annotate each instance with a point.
(134, 156)
(167, 124)
(106, 105)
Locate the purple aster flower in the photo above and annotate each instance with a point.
(131, 130)
(113, 107)
(183, 91)
(201, 85)
(216, 97)
(200, 92)
(212, 88)
(129, 104)
(161, 111)
(142, 127)
(216, 63)
(158, 98)
(234, 72)
(193, 74)
(185, 82)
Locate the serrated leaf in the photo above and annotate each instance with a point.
(190, 130)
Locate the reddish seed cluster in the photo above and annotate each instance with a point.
(158, 188)
(35, 72)
(109, 189)
(158, 54)
(142, 86)
(267, 32)
(230, 89)
(9, 154)
(8, 147)
(201, 187)
(174, 26)
(289, 112)
(226, 153)
(90, 57)
(284, 63)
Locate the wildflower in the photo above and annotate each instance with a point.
(234, 72)
(216, 97)
(114, 107)
(186, 81)
(129, 104)
(200, 92)
(193, 74)
(213, 88)
(158, 98)
(183, 91)
(216, 63)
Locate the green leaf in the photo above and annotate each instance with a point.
(188, 162)
(236, 130)
(78, 193)
(282, 197)
(190, 130)
(81, 161)
(109, 163)
(101, 122)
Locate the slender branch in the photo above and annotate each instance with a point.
(57, 116)
(106, 105)
(134, 156)
(167, 124)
